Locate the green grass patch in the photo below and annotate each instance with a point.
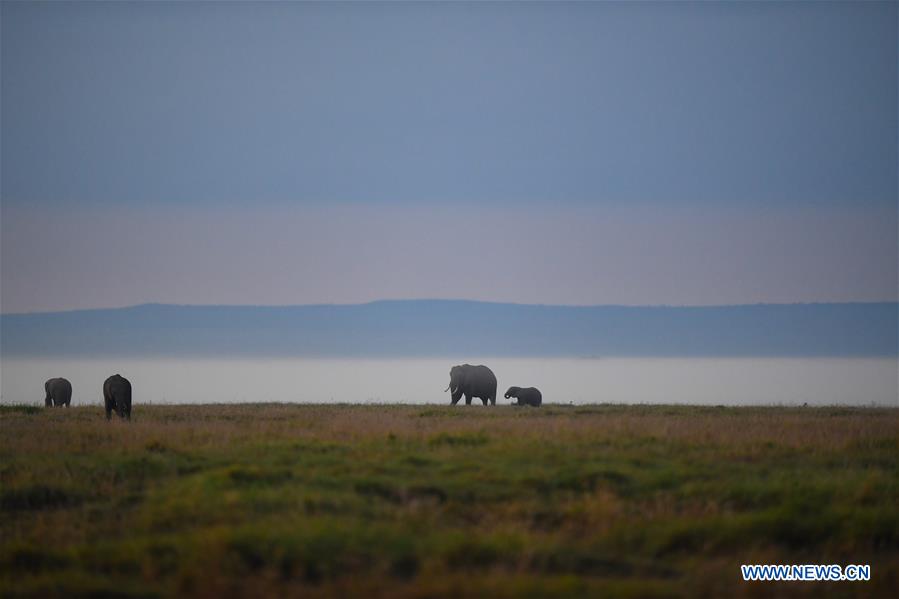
(271, 500)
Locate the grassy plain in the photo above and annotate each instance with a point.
(409, 501)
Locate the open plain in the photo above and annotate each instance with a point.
(409, 501)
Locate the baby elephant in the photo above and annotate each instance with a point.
(529, 396)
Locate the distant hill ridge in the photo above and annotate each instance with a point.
(394, 328)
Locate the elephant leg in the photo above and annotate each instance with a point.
(484, 400)
(108, 410)
(467, 399)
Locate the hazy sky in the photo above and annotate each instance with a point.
(577, 153)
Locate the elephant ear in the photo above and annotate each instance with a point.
(463, 376)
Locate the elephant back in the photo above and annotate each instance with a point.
(59, 390)
(484, 379)
(115, 385)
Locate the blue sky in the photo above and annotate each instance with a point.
(577, 153)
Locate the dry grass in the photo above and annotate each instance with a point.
(439, 501)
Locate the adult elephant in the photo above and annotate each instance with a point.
(472, 381)
(526, 396)
(117, 396)
(59, 392)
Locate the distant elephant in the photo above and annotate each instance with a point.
(472, 381)
(528, 396)
(59, 393)
(117, 396)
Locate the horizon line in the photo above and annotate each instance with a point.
(447, 300)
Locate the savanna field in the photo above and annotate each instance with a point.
(425, 501)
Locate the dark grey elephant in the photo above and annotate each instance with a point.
(472, 381)
(527, 396)
(117, 396)
(59, 393)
